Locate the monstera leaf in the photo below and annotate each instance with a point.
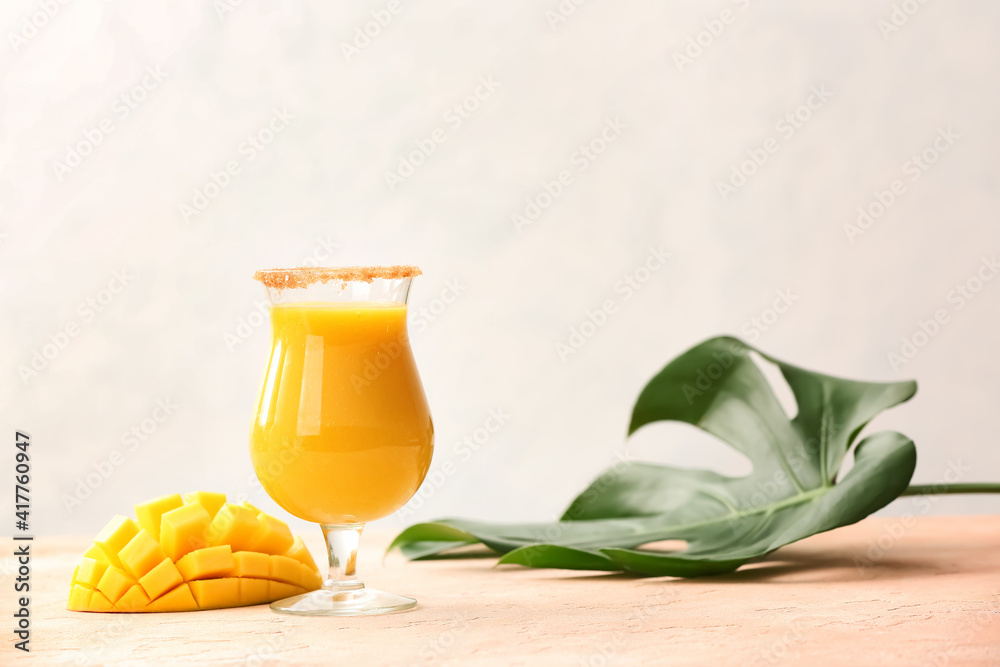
(793, 492)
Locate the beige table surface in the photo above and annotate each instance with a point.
(928, 593)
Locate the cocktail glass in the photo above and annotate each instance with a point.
(342, 433)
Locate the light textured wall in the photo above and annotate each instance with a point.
(185, 327)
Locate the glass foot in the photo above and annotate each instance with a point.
(359, 602)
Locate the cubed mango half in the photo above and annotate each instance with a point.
(191, 552)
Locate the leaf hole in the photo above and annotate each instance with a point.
(772, 373)
(683, 445)
(665, 545)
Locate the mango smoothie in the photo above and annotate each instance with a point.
(343, 433)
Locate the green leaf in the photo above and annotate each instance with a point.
(427, 539)
(793, 491)
(554, 555)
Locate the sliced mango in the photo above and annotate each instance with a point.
(79, 597)
(141, 554)
(247, 504)
(179, 599)
(183, 530)
(272, 535)
(89, 572)
(215, 593)
(100, 603)
(161, 579)
(149, 513)
(234, 525)
(253, 591)
(114, 583)
(277, 590)
(284, 569)
(299, 552)
(309, 578)
(207, 563)
(191, 552)
(114, 536)
(210, 500)
(135, 599)
(251, 564)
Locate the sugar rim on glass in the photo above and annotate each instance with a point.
(307, 275)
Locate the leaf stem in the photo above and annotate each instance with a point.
(936, 489)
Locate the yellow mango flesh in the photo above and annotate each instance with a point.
(272, 536)
(207, 563)
(179, 599)
(284, 569)
(89, 572)
(209, 500)
(253, 591)
(141, 554)
(135, 599)
(114, 583)
(191, 552)
(251, 564)
(309, 578)
(234, 525)
(300, 553)
(161, 579)
(215, 593)
(113, 538)
(184, 530)
(149, 513)
(79, 596)
(100, 603)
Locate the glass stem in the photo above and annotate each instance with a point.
(342, 545)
